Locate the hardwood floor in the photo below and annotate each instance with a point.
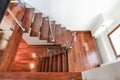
(83, 55)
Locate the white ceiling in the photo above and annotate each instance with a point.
(78, 14)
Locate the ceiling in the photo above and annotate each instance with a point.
(78, 14)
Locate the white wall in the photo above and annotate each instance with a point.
(41, 5)
(102, 41)
(104, 45)
(106, 72)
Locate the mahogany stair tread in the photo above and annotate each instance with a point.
(27, 19)
(44, 29)
(58, 34)
(35, 28)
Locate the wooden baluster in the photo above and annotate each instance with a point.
(59, 60)
(50, 64)
(46, 64)
(64, 63)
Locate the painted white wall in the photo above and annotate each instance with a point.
(106, 72)
(102, 41)
(104, 45)
(41, 5)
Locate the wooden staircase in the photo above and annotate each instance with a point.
(38, 26)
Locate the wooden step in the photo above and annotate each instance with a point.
(37, 23)
(44, 29)
(64, 37)
(21, 13)
(58, 33)
(53, 32)
(27, 19)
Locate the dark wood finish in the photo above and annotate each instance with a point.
(111, 41)
(40, 76)
(44, 29)
(27, 19)
(37, 23)
(83, 55)
(58, 34)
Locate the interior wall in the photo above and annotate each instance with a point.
(106, 51)
(41, 5)
(104, 45)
